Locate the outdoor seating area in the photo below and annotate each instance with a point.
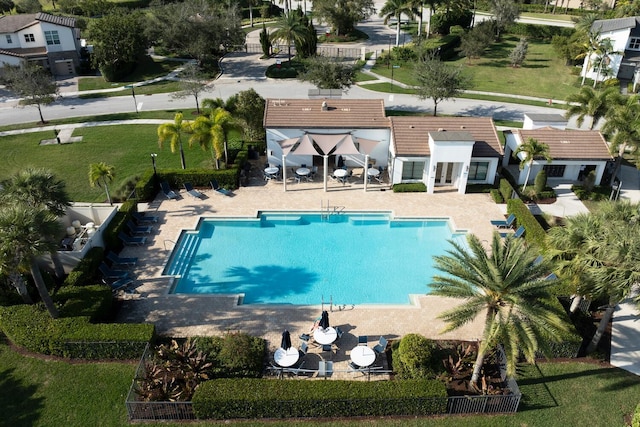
(329, 352)
(314, 174)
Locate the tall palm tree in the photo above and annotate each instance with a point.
(212, 132)
(589, 102)
(531, 149)
(508, 287)
(173, 133)
(23, 233)
(101, 173)
(290, 28)
(622, 126)
(38, 187)
(604, 52)
(590, 45)
(395, 9)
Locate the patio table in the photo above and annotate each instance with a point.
(325, 336)
(363, 356)
(303, 171)
(286, 358)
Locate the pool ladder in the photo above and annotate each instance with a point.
(329, 211)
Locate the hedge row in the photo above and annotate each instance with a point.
(31, 327)
(85, 272)
(538, 32)
(265, 398)
(94, 301)
(414, 187)
(506, 189)
(534, 233)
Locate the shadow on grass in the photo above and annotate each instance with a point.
(19, 407)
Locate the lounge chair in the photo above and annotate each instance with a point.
(110, 274)
(131, 241)
(519, 232)
(141, 218)
(381, 347)
(215, 186)
(501, 223)
(192, 191)
(119, 285)
(167, 191)
(139, 229)
(117, 261)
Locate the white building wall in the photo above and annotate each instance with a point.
(620, 40)
(9, 60)
(67, 40)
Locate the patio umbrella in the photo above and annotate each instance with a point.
(286, 340)
(324, 320)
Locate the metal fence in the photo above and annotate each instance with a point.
(328, 51)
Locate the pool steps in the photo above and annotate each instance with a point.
(184, 254)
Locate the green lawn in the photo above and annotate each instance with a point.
(39, 393)
(150, 89)
(146, 69)
(127, 147)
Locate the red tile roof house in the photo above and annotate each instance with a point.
(438, 151)
(50, 41)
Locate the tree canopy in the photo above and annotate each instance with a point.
(328, 73)
(193, 81)
(342, 15)
(438, 81)
(33, 84)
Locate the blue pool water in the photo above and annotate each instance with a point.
(308, 258)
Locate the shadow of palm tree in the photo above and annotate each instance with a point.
(19, 406)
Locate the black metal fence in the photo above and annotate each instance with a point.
(328, 51)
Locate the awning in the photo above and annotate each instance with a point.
(327, 142)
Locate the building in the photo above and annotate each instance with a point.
(50, 41)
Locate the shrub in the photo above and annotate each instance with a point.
(85, 272)
(496, 196)
(414, 187)
(441, 23)
(415, 358)
(599, 193)
(540, 183)
(94, 301)
(534, 233)
(235, 354)
(506, 189)
(635, 422)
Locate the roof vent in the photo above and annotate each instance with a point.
(324, 106)
(346, 109)
(463, 127)
(411, 126)
(565, 141)
(442, 130)
(306, 109)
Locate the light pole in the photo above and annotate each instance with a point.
(153, 162)
(133, 93)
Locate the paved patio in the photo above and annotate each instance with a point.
(190, 315)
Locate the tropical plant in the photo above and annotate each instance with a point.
(531, 149)
(173, 133)
(395, 9)
(290, 29)
(507, 285)
(622, 126)
(342, 15)
(212, 132)
(25, 234)
(604, 52)
(589, 102)
(101, 173)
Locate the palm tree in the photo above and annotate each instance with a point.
(101, 172)
(604, 53)
(23, 233)
(173, 133)
(213, 131)
(395, 9)
(589, 102)
(531, 149)
(38, 187)
(418, 9)
(289, 28)
(590, 46)
(622, 126)
(508, 287)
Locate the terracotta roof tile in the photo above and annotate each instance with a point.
(410, 134)
(570, 144)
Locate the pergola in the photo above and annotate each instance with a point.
(325, 145)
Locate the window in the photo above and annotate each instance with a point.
(29, 38)
(478, 171)
(412, 170)
(52, 37)
(554, 171)
(634, 43)
(9, 39)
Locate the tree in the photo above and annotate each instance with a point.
(24, 233)
(265, 43)
(589, 102)
(475, 41)
(342, 15)
(602, 255)
(250, 108)
(101, 173)
(328, 73)
(604, 52)
(622, 126)
(28, 6)
(193, 82)
(519, 53)
(118, 43)
(531, 149)
(33, 84)
(290, 29)
(395, 9)
(590, 44)
(507, 285)
(213, 131)
(6, 6)
(438, 81)
(308, 46)
(173, 133)
(504, 12)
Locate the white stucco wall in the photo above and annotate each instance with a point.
(620, 40)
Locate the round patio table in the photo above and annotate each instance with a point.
(325, 336)
(303, 171)
(373, 172)
(340, 173)
(363, 356)
(286, 358)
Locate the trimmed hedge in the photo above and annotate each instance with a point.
(496, 195)
(85, 272)
(506, 189)
(415, 358)
(414, 187)
(235, 354)
(94, 301)
(265, 398)
(537, 32)
(31, 327)
(534, 233)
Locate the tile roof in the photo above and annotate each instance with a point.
(340, 114)
(14, 23)
(25, 52)
(64, 21)
(543, 117)
(606, 25)
(570, 144)
(410, 134)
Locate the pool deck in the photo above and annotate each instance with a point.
(186, 315)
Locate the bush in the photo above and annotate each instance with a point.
(540, 182)
(506, 189)
(414, 187)
(496, 196)
(441, 23)
(94, 301)
(598, 194)
(415, 358)
(534, 233)
(85, 272)
(538, 32)
(260, 398)
(635, 422)
(235, 354)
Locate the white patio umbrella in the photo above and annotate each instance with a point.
(286, 145)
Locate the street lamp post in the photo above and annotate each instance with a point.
(153, 162)
(133, 93)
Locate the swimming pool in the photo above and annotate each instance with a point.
(304, 258)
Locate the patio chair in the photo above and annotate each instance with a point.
(339, 332)
(295, 176)
(353, 367)
(304, 348)
(142, 219)
(216, 187)
(327, 348)
(119, 285)
(118, 261)
(138, 229)
(167, 191)
(325, 368)
(519, 232)
(296, 369)
(110, 274)
(131, 241)
(192, 191)
(501, 223)
(381, 346)
(305, 337)
(363, 340)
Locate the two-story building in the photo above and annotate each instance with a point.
(50, 41)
